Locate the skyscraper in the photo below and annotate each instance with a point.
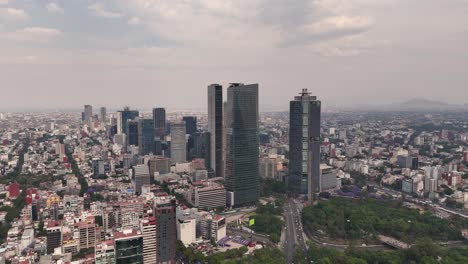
(165, 212)
(215, 127)
(304, 144)
(178, 143)
(103, 115)
(88, 113)
(145, 136)
(132, 132)
(201, 148)
(122, 118)
(190, 124)
(159, 119)
(242, 172)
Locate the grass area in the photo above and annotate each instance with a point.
(364, 219)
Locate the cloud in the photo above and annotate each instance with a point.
(31, 34)
(134, 21)
(54, 8)
(99, 10)
(13, 13)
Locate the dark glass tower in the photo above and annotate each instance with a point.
(132, 132)
(304, 144)
(159, 119)
(215, 127)
(123, 117)
(145, 136)
(166, 234)
(190, 124)
(242, 175)
(202, 147)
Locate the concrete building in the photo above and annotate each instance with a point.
(186, 230)
(141, 176)
(104, 252)
(165, 212)
(148, 228)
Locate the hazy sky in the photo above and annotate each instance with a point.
(146, 53)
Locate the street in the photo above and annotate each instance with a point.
(294, 232)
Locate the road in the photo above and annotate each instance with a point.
(293, 229)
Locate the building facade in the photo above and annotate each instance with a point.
(304, 144)
(242, 146)
(215, 127)
(178, 143)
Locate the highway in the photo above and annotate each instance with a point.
(293, 229)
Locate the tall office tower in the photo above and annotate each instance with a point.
(304, 144)
(159, 119)
(145, 136)
(132, 132)
(215, 127)
(87, 233)
(123, 116)
(201, 148)
(178, 143)
(148, 228)
(128, 247)
(88, 113)
(54, 236)
(141, 176)
(190, 124)
(103, 115)
(242, 172)
(165, 212)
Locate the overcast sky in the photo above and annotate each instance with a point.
(145, 53)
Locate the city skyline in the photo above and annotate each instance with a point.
(349, 52)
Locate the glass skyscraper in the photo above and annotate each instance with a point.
(145, 136)
(215, 127)
(123, 117)
(159, 119)
(304, 144)
(242, 172)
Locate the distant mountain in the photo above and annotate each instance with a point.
(415, 104)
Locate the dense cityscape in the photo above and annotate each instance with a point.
(233, 185)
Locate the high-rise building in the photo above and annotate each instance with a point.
(186, 230)
(190, 124)
(88, 113)
(87, 233)
(132, 132)
(159, 164)
(148, 228)
(178, 143)
(141, 176)
(54, 236)
(159, 119)
(215, 127)
(145, 136)
(98, 167)
(103, 115)
(304, 144)
(242, 153)
(165, 212)
(128, 247)
(201, 147)
(123, 116)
